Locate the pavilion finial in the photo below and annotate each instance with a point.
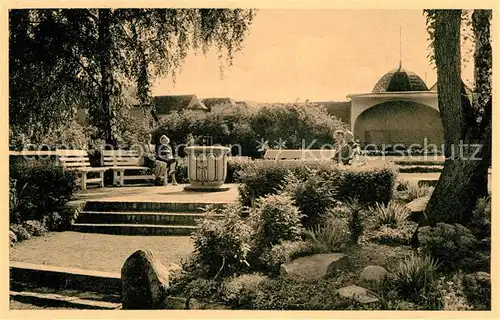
(400, 49)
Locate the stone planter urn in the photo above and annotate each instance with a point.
(207, 168)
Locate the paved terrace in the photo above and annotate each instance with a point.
(170, 193)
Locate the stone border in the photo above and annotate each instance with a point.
(67, 278)
(57, 300)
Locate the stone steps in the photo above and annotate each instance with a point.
(129, 206)
(51, 286)
(142, 218)
(64, 278)
(134, 229)
(146, 218)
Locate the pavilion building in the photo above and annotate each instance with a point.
(400, 110)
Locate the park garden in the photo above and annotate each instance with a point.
(378, 234)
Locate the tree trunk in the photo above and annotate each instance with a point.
(465, 173)
(105, 43)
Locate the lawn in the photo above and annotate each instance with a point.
(100, 252)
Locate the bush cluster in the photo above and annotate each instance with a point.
(313, 195)
(221, 245)
(415, 276)
(26, 230)
(454, 246)
(369, 184)
(240, 292)
(477, 288)
(275, 219)
(290, 294)
(247, 126)
(38, 188)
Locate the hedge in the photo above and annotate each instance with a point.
(368, 183)
(38, 188)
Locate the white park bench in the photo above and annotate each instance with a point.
(122, 162)
(299, 154)
(78, 161)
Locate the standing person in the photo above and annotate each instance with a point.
(351, 149)
(338, 136)
(165, 155)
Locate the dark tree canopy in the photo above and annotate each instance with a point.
(63, 58)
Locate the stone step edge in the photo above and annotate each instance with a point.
(146, 213)
(126, 225)
(175, 203)
(149, 206)
(68, 278)
(52, 299)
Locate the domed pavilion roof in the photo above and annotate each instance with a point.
(398, 80)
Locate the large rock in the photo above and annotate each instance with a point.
(359, 294)
(372, 276)
(417, 208)
(145, 281)
(315, 266)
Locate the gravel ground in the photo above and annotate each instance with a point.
(100, 252)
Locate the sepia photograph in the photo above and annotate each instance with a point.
(238, 158)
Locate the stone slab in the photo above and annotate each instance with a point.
(357, 293)
(315, 266)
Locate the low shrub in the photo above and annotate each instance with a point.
(414, 191)
(480, 224)
(35, 228)
(286, 251)
(454, 296)
(402, 185)
(291, 294)
(454, 246)
(313, 195)
(236, 167)
(392, 214)
(14, 201)
(181, 171)
(221, 245)
(197, 288)
(477, 288)
(400, 234)
(20, 232)
(41, 187)
(355, 220)
(332, 235)
(55, 222)
(274, 220)
(415, 276)
(369, 184)
(240, 292)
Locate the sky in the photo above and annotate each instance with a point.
(319, 55)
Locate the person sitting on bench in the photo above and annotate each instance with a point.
(165, 155)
